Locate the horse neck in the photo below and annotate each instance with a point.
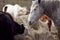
(49, 7)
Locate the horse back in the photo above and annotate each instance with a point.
(52, 9)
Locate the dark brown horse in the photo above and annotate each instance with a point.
(8, 27)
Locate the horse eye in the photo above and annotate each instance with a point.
(34, 9)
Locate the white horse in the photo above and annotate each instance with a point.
(18, 10)
(15, 10)
(8, 8)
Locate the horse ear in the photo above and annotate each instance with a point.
(33, 2)
(39, 1)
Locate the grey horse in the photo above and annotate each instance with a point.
(50, 8)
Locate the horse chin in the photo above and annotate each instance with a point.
(30, 22)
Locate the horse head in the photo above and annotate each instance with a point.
(35, 12)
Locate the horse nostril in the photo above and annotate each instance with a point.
(30, 23)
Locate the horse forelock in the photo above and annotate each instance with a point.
(34, 5)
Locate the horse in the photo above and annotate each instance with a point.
(8, 8)
(34, 12)
(50, 8)
(8, 27)
(15, 10)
